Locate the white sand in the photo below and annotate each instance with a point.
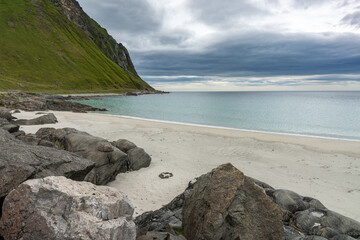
(326, 169)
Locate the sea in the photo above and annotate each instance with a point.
(326, 114)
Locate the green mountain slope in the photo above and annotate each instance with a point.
(41, 50)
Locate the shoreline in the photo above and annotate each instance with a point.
(230, 128)
(325, 169)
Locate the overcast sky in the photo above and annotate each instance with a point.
(238, 44)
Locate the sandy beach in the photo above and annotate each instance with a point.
(326, 169)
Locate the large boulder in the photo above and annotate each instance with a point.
(225, 204)
(138, 158)
(61, 209)
(44, 119)
(109, 160)
(20, 162)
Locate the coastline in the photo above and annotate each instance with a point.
(326, 169)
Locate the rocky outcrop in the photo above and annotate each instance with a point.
(225, 204)
(108, 158)
(106, 43)
(59, 208)
(42, 102)
(44, 119)
(20, 162)
(109, 161)
(303, 218)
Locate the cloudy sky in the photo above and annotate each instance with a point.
(238, 44)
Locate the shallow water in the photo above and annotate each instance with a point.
(325, 114)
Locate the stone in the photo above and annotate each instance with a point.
(61, 209)
(293, 202)
(5, 113)
(138, 158)
(45, 119)
(225, 204)
(20, 162)
(165, 175)
(43, 102)
(160, 236)
(109, 160)
(124, 145)
(326, 223)
(11, 128)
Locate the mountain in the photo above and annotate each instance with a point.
(54, 46)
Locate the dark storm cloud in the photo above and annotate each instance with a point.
(135, 16)
(352, 19)
(260, 55)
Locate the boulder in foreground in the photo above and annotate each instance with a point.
(225, 204)
(59, 208)
(20, 162)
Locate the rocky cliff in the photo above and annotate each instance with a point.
(107, 44)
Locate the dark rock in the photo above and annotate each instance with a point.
(169, 215)
(45, 119)
(59, 208)
(17, 111)
(138, 158)
(5, 113)
(160, 236)
(20, 162)
(131, 94)
(164, 175)
(293, 202)
(109, 160)
(225, 204)
(11, 128)
(326, 223)
(42, 102)
(18, 133)
(124, 145)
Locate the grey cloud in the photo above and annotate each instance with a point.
(123, 16)
(310, 3)
(352, 19)
(217, 12)
(260, 55)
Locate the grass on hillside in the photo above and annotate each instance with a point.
(41, 50)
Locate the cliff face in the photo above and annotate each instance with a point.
(107, 44)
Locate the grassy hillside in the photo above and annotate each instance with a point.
(41, 50)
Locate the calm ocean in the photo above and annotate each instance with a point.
(325, 114)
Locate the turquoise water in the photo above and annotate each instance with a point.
(325, 114)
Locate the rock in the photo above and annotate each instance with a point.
(293, 202)
(43, 102)
(225, 204)
(45, 119)
(131, 94)
(164, 175)
(20, 162)
(5, 113)
(109, 160)
(59, 208)
(124, 145)
(160, 236)
(169, 215)
(138, 158)
(11, 128)
(326, 223)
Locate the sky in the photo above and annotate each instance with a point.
(235, 45)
